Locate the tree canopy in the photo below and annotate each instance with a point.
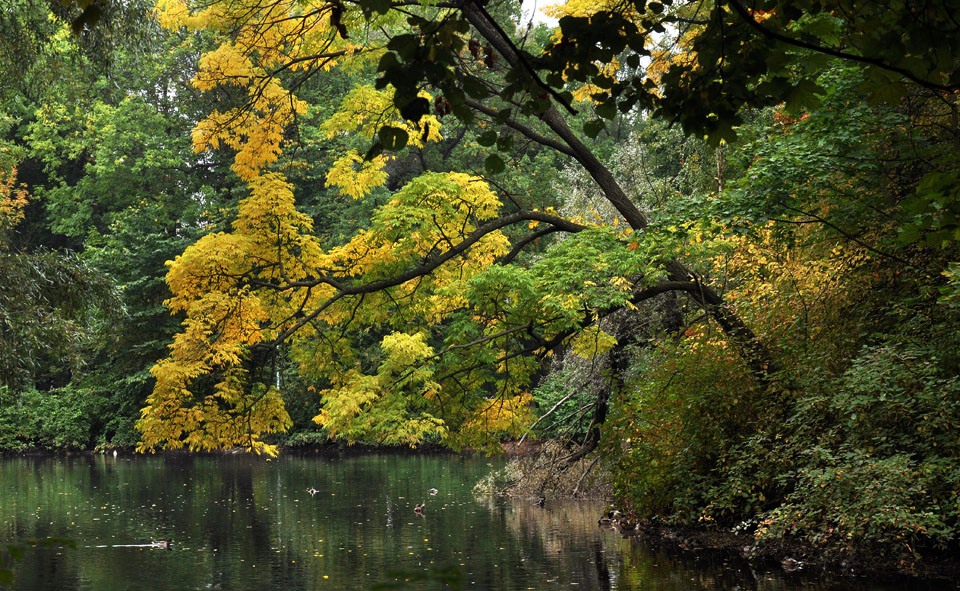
(713, 244)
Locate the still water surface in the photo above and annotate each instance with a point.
(325, 523)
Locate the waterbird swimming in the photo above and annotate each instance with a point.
(159, 544)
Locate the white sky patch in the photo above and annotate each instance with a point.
(532, 12)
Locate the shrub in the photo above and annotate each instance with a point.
(59, 419)
(880, 468)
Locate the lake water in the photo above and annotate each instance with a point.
(345, 522)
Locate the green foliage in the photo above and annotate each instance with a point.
(689, 403)
(62, 419)
(934, 210)
(877, 458)
(568, 405)
(951, 291)
(53, 308)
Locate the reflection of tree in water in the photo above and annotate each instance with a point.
(603, 571)
(600, 558)
(238, 522)
(663, 566)
(565, 532)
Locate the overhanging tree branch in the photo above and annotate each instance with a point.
(523, 129)
(426, 267)
(752, 350)
(745, 15)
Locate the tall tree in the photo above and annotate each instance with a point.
(52, 305)
(477, 69)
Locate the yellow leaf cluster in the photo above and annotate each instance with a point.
(355, 177)
(505, 415)
(224, 65)
(13, 198)
(390, 406)
(778, 288)
(214, 284)
(592, 342)
(259, 41)
(584, 92)
(212, 264)
(268, 278)
(216, 335)
(255, 131)
(365, 110)
(579, 8)
(404, 350)
(677, 54)
(429, 216)
(278, 237)
(174, 14)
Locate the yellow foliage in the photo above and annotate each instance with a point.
(677, 54)
(504, 415)
(212, 264)
(225, 65)
(355, 177)
(583, 93)
(797, 293)
(391, 405)
(429, 215)
(213, 284)
(279, 240)
(592, 342)
(174, 14)
(259, 40)
(13, 198)
(365, 110)
(579, 8)
(404, 350)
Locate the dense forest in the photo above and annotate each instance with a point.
(711, 246)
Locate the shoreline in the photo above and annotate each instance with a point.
(942, 568)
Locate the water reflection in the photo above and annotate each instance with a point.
(331, 523)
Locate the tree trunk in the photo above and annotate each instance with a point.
(754, 353)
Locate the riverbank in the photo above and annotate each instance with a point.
(794, 557)
(532, 473)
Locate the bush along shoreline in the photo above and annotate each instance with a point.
(533, 474)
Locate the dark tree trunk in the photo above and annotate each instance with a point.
(754, 353)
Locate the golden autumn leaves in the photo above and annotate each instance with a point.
(268, 279)
(247, 287)
(268, 282)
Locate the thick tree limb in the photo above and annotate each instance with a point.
(523, 129)
(426, 267)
